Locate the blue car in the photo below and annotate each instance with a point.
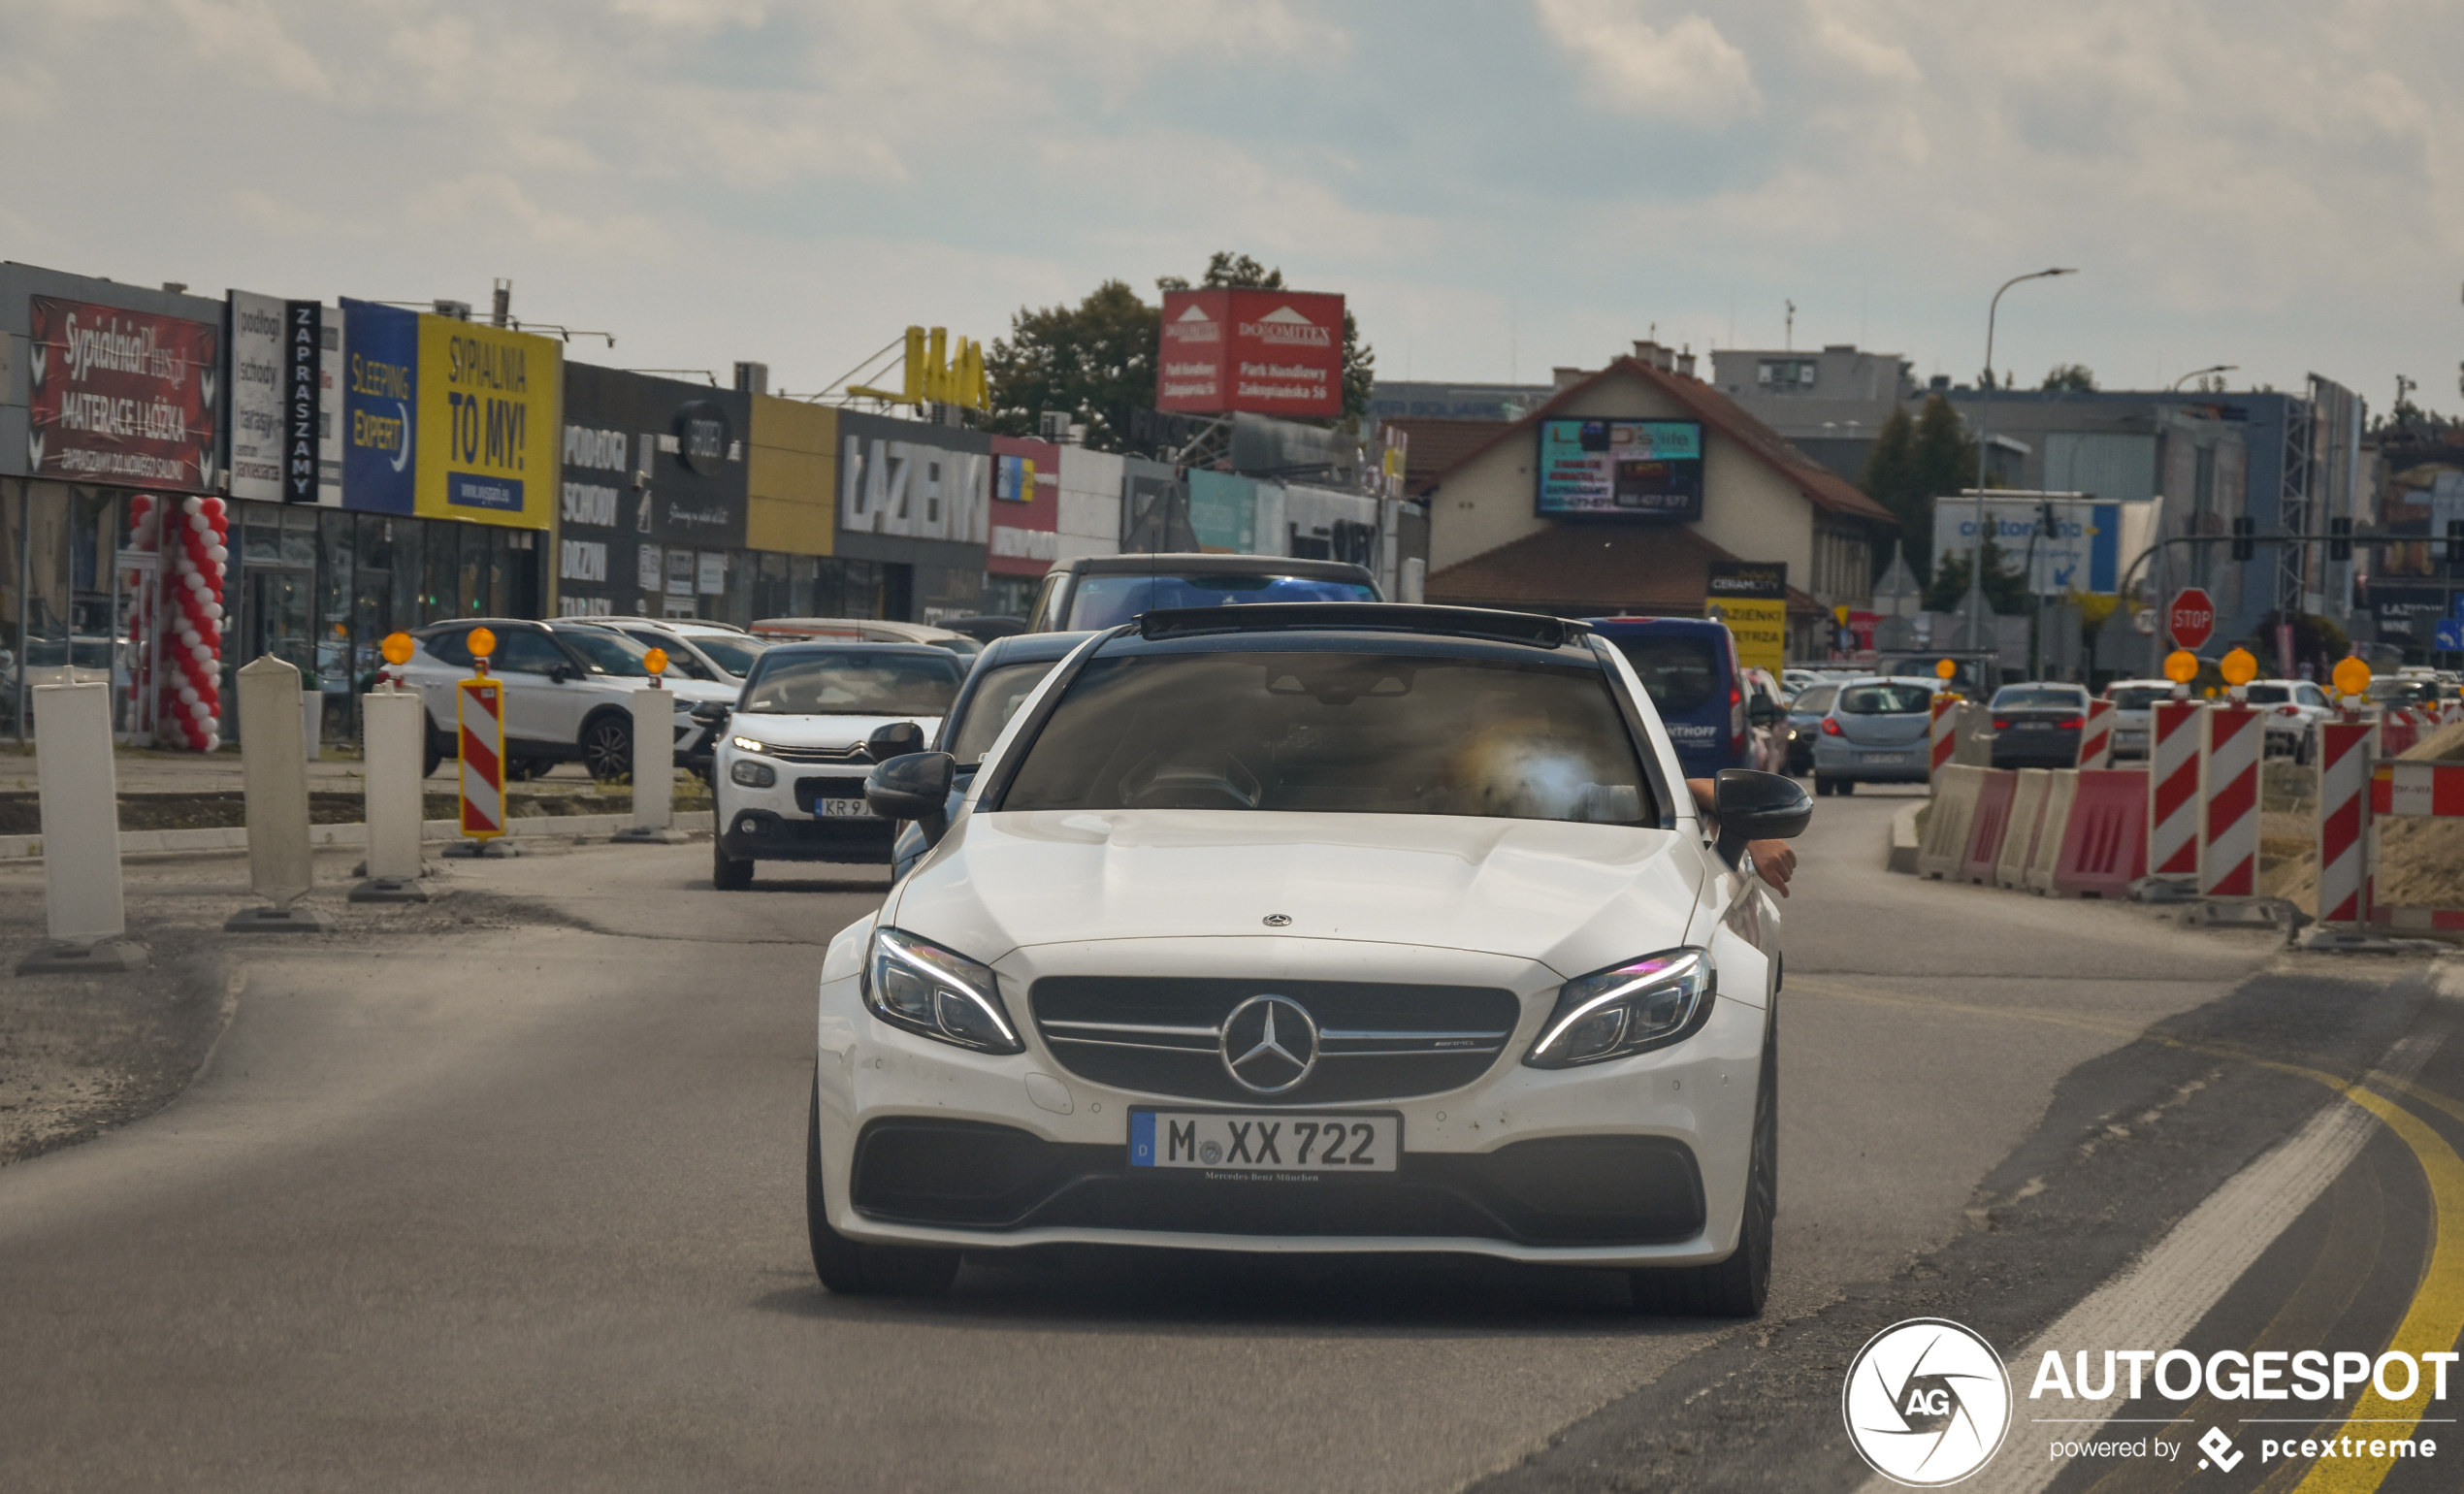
(1690, 669)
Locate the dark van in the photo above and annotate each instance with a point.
(1690, 669)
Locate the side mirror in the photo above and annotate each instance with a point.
(1753, 805)
(712, 713)
(1763, 711)
(916, 787)
(895, 740)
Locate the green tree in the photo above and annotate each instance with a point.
(1226, 270)
(1096, 360)
(2005, 583)
(1890, 479)
(2071, 378)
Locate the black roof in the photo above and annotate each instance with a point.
(1030, 647)
(1487, 624)
(1217, 564)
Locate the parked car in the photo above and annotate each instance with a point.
(812, 721)
(1877, 730)
(2131, 699)
(1100, 591)
(2039, 725)
(2294, 708)
(716, 651)
(1805, 712)
(863, 630)
(1005, 674)
(1241, 907)
(568, 690)
(1971, 676)
(1688, 667)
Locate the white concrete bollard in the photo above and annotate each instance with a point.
(313, 723)
(393, 731)
(654, 768)
(78, 792)
(273, 774)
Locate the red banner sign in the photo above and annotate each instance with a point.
(1269, 352)
(121, 396)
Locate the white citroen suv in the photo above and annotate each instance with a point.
(1314, 927)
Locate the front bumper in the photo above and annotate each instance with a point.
(1638, 1161)
(768, 825)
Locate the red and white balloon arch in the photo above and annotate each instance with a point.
(182, 615)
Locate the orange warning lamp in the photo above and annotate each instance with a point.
(656, 662)
(2239, 667)
(2181, 666)
(482, 642)
(2351, 677)
(395, 648)
(1944, 669)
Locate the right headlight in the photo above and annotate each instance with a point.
(1628, 1008)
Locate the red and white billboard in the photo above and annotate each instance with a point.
(1269, 352)
(126, 397)
(1026, 507)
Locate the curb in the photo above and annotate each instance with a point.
(234, 838)
(1903, 858)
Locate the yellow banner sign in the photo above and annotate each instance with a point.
(1759, 628)
(487, 428)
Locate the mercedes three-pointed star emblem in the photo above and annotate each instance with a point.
(1269, 1044)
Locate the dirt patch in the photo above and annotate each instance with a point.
(82, 1054)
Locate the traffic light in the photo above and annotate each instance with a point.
(2456, 541)
(2050, 523)
(2340, 539)
(2245, 544)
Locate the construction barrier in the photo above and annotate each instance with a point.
(480, 714)
(2173, 789)
(2417, 789)
(2230, 738)
(1971, 734)
(2104, 846)
(2095, 736)
(2399, 730)
(2028, 817)
(2046, 857)
(1989, 824)
(1939, 737)
(2344, 824)
(1946, 823)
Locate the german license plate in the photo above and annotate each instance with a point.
(1251, 1147)
(844, 809)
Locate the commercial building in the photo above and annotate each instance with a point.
(1620, 494)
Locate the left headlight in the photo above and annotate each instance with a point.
(1629, 1008)
(915, 983)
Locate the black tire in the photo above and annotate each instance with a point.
(1739, 1286)
(523, 769)
(1845, 787)
(851, 1270)
(607, 747)
(726, 873)
(429, 760)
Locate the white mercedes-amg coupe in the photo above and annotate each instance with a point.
(1320, 927)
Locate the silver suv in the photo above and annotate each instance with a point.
(568, 692)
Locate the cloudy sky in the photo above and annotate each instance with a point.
(1500, 186)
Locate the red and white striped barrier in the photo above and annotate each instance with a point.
(2399, 729)
(2173, 789)
(2095, 736)
(1942, 733)
(2418, 788)
(480, 712)
(2230, 750)
(2344, 824)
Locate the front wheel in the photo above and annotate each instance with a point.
(852, 1270)
(1739, 1286)
(726, 873)
(608, 748)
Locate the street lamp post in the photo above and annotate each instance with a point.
(1984, 410)
(2222, 368)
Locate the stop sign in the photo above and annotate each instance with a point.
(2191, 617)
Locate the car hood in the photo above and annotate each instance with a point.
(819, 730)
(701, 691)
(1575, 897)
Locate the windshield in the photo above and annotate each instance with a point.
(997, 698)
(855, 682)
(1679, 672)
(1814, 699)
(731, 653)
(1885, 700)
(2140, 698)
(607, 653)
(2268, 695)
(1105, 601)
(2036, 697)
(1355, 734)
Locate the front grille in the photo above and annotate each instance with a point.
(1377, 1041)
(855, 754)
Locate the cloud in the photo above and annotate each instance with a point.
(1683, 71)
(250, 39)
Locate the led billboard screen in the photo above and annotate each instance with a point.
(1621, 469)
